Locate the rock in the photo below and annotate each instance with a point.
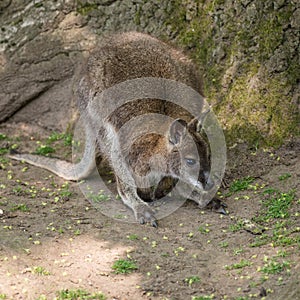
(42, 42)
(43, 51)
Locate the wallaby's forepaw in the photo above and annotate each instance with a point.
(145, 214)
(218, 206)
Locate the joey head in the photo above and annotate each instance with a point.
(152, 157)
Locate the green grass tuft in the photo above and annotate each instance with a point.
(44, 150)
(55, 136)
(277, 203)
(240, 184)
(124, 266)
(20, 207)
(274, 267)
(242, 264)
(133, 237)
(79, 295)
(3, 136)
(192, 279)
(284, 176)
(40, 271)
(203, 297)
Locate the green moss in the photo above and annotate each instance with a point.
(270, 36)
(137, 17)
(17, 22)
(38, 5)
(258, 114)
(271, 32)
(197, 36)
(253, 103)
(85, 8)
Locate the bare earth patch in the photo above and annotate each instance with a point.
(54, 240)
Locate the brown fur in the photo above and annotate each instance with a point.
(115, 60)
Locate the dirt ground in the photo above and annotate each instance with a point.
(52, 239)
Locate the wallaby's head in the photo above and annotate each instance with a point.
(188, 154)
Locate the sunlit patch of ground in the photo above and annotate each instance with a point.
(58, 264)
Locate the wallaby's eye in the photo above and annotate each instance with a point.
(190, 161)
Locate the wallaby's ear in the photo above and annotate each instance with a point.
(177, 131)
(197, 123)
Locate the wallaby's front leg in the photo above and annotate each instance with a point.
(126, 184)
(143, 213)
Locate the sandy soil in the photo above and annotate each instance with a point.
(53, 239)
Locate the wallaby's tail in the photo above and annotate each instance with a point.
(64, 169)
(59, 167)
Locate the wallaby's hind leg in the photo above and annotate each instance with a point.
(143, 213)
(64, 169)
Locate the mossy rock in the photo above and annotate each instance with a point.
(248, 54)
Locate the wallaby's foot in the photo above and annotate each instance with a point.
(218, 206)
(144, 214)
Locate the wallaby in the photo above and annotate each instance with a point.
(152, 159)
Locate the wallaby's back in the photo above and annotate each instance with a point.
(133, 55)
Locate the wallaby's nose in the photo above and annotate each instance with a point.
(209, 183)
